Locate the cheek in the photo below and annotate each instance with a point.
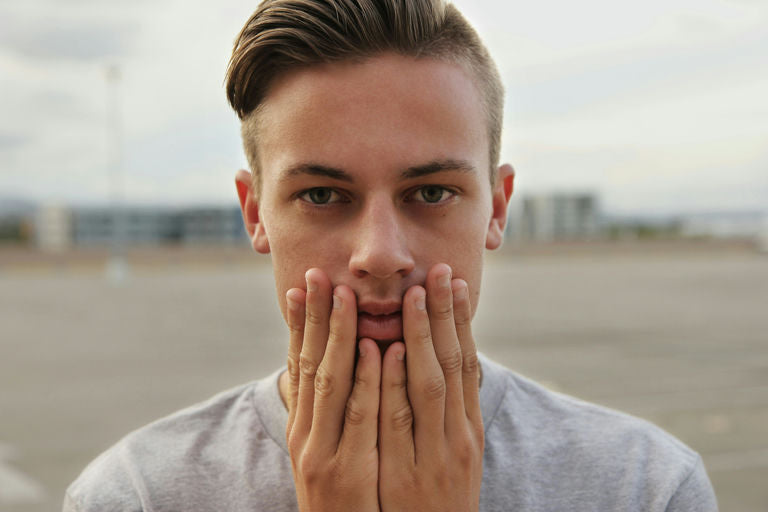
(294, 251)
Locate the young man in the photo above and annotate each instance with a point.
(372, 129)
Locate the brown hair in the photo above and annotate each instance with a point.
(285, 35)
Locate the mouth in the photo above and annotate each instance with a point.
(380, 327)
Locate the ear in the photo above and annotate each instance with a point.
(502, 192)
(250, 210)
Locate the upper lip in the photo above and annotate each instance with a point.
(379, 308)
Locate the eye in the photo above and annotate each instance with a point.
(321, 195)
(432, 194)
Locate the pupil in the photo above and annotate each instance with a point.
(431, 194)
(320, 195)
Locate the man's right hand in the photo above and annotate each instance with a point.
(332, 416)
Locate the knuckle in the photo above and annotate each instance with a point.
(309, 468)
(307, 366)
(442, 311)
(354, 414)
(295, 328)
(402, 419)
(324, 382)
(462, 317)
(313, 317)
(398, 384)
(335, 333)
(434, 388)
(424, 335)
(293, 369)
(464, 452)
(360, 379)
(470, 362)
(451, 362)
(293, 442)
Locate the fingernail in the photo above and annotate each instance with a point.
(461, 293)
(399, 355)
(292, 304)
(337, 302)
(419, 301)
(444, 281)
(361, 348)
(311, 285)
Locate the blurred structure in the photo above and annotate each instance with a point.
(17, 219)
(53, 228)
(158, 226)
(725, 225)
(555, 217)
(57, 228)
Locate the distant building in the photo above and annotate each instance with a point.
(555, 217)
(749, 225)
(211, 226)
(53, 228)
(134, 226)
(59, 228)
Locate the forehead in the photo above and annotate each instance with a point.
(389, 111)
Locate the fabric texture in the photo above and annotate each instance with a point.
(544, 451)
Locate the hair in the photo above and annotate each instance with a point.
(285, 35)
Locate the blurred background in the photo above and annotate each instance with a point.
(635, 272)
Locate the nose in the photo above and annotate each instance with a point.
(380, 242)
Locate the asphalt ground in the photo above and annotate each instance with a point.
(674, 334)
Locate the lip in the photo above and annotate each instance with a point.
(382, 327)
(379, 308)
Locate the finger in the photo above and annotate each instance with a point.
(470, 378)
(294, 299)
(333, 381)
(425, 381)
(446, 342)
(317, 311)
(360, 431)
(395, 414)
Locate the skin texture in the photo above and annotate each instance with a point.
(376, 206)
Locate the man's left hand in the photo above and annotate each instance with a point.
(431, 435)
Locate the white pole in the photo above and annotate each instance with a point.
(117, 268)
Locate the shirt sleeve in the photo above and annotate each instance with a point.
(695, 494)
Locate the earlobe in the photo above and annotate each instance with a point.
(249, 207)
(502, 192)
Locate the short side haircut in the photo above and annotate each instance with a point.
(285, 35)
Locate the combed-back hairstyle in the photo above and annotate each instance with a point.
(285, 35)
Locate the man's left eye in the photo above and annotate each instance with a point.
(432, 194)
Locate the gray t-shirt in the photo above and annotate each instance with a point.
(543, 452)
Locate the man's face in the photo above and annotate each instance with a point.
(374, 172)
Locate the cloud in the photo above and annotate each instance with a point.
(13, 141)
(62, 37)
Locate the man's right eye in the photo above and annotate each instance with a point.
(321, 195)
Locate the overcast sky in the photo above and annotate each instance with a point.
(658, 106)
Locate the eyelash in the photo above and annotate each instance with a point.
(305, 195)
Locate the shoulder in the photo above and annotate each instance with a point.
(589, 448)
(201, 443)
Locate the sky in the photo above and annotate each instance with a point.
(658, 107)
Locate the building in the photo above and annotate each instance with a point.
(53, 228)
(555, 217)
(58, 228)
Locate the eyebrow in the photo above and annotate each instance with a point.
(316, 170)
(437, 166)
(416, 171)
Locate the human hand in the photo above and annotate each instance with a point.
(431, 435)
(332, 417)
